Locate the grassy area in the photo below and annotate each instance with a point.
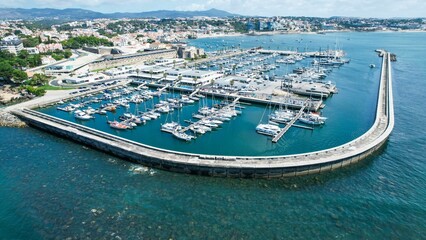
(49, 87)
(101, 69)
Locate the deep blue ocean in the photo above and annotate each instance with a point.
(53, 188)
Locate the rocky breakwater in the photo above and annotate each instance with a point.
(9, 120)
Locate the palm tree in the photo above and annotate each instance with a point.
(234, 67)
(138, 71)
(185, 64)
(174, 63)
(164, 75)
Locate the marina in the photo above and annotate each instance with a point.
(161, 96)
(235, 166)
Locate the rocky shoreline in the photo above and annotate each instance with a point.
(9, 120)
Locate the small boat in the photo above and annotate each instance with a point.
(101, 111)
(90, 111)
(372, 66)
(145, 117)
(164, 109)
(185, 99)
(196, 128)
(198, 116)
(268, 129)
(152, 115)
(170, 127)
(110, 108)
(82, 115)
(220, 118)
(117, 125)
(312, 119)
(66, 109)
(208, 123)
(182, 136)
(282, 116)
(215, 121)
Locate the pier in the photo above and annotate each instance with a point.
(232, 104)
(194, 92)
(235, 166)
(164, 88)
(318, 54)
(290, 124)
(140, 86)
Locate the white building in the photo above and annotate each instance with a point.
(32, 50)
(11, 44)
(192, 77)
(49, 47)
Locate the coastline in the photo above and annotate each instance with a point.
(271, 33)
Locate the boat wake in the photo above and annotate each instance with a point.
(137, 169)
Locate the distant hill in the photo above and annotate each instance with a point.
(80, 14)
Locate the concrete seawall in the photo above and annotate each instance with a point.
(234, 166)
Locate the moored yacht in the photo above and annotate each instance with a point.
(268, 129)
(82, 115)
(171, 127)
(182, 136)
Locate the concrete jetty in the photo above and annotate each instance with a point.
(234, 166)
(289, 125)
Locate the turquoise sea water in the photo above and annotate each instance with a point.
(49, 186)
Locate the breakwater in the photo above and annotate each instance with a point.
(9, 120)
(235, 166)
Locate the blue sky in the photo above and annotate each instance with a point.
(320, 8)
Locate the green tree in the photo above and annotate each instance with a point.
(18, 76)
(6, 71)
(34, 60)
(67, 53)
(36, 91)
(31, 41)
(91, 41)
(38, 80)
(23, 54)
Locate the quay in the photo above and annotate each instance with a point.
(234, 166)
(290, 103)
